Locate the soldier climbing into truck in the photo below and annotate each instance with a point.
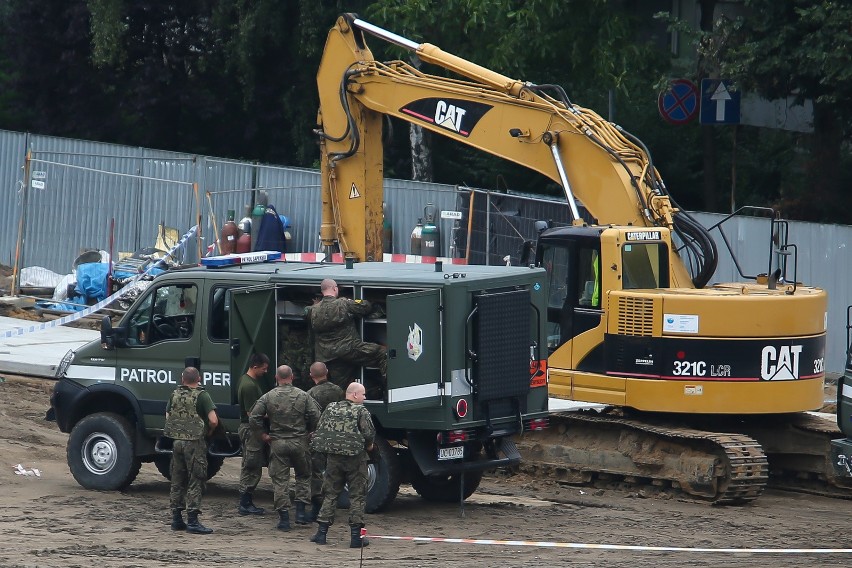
(337, 343)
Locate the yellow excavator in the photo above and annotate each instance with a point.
(705, 387)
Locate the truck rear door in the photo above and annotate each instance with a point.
(415, 357)
(253, 329)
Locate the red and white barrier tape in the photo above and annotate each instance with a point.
(404, 258)
(21, 330)
(637, 548)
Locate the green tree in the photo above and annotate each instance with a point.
(799, 48)
(588, 47)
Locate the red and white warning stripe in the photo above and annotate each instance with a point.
(404, 258)
(311, 257)
(415, 259)
(545, 544)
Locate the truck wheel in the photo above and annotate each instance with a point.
(383, 478)
(164, 465)
(101, 453)
(444, 488)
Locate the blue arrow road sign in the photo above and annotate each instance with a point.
(720, 104)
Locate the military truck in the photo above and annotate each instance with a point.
(466, 367)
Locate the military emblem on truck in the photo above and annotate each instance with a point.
(415, 342)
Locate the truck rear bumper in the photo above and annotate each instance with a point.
(426, 455)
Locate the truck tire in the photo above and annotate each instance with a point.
(444, 488)
(101, 452)
(383, 478)
(164, 465)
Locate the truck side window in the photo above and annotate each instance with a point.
(166, 313)
(220, 304)
(139, 324)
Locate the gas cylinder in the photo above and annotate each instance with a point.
(244, 240)
(416, 238)
(261, 200)
(245, 222)
(430, 235)
(387, 230)
(228, 235)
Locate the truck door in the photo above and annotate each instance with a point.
(253, 329)
(415, 358)
(162, 338)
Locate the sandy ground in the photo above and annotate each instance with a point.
(52, 521)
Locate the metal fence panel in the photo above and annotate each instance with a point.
(88, 184)
(12, 149)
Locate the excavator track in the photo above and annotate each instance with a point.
(579, 447)
(799, 452)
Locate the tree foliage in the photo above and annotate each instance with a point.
(799, 49)
(236, 78)
(588, 47)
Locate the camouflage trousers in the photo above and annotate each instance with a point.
(341, 470)
(287, 453)
(189, 474)
(317, 471)
(252, 464)
(344, 369)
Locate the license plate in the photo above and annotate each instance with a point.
(451, 453)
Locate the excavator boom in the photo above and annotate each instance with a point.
(589, 157)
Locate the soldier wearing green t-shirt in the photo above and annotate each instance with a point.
(190, 417)
(248, 391)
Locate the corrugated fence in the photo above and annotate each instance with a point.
(83, 195)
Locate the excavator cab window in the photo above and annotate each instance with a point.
(589, 279)
(645, 265)
(556, 260)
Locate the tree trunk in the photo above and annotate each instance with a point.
(421, 154)
(823, 193)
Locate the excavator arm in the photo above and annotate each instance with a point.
(537, 126)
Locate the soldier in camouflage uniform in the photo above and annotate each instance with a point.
(292, 416)
(345, 434)
(190, 416)
(249, 389)
(324, 392)
(336, 340)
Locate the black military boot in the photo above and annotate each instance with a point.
(322, 533)
(177, 520)
(357, 541)
(316, 505)
(284, 520)
(194, 526)
(301, 516)
(247, 506)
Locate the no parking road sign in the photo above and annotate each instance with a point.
(679, 104)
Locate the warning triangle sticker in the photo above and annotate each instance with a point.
(354, 193)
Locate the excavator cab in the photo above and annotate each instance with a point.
(572, 259)
(584, 264)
